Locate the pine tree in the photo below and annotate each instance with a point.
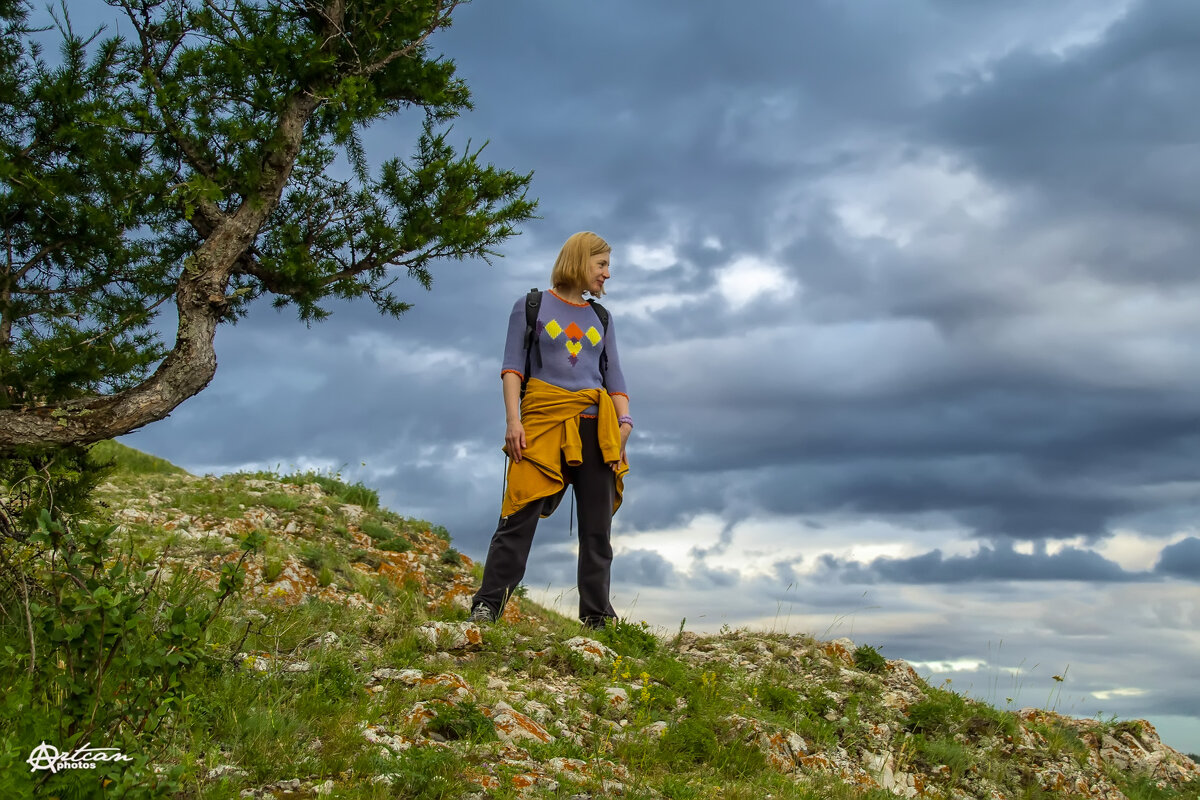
(210, 159)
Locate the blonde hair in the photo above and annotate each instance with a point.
(570, 268)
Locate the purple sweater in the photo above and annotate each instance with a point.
(571, 338)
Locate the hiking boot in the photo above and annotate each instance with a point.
(596, 623)
(482, 614)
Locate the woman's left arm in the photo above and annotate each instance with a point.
(615, 380)
(621, 404)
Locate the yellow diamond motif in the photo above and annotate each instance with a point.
(574, 347)
(593, 336)
(554, 329)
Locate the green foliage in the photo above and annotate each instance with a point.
(376, 530)
(868, 659)
(1144, 787)
(279, 724)
(96, 647)
(780, 699)
(355, 493)
(280, 501)
(945, 713)
(934, 752)
(628, 639)
(451, 557)
(81, 199)
(327, 562)
(198, 153)
(37, 479)
(397, 544)
(691, 741)
(1061, 740)
(427, 773)
(128, 461)
(463, 721)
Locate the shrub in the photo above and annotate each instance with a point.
(779, 698)
(463, 721)
(95, 648)
(377, 531)
(628, 639)
(691, 741)
(868, 659)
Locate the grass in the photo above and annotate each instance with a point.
(711, 707)
(130, 461)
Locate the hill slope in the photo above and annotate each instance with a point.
(346, 668)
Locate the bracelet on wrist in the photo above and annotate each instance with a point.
(625, 419)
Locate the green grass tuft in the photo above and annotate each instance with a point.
(130, 461)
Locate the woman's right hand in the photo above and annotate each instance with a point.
(514, 440)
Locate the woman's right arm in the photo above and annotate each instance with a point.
(514, 434)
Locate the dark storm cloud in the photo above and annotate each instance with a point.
(988, 564)
(1098, 117)
(1181, 559)
(644, 568)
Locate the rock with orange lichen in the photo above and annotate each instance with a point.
(590, 649)
(782, 748)
(451, 635)
(513, 727)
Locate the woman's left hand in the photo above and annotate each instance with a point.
(625, 431)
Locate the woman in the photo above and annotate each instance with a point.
(570, 427)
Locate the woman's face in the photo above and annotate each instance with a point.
(597, 273)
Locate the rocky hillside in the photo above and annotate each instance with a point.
(347, 669)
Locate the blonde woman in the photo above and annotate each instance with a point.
(568, 422)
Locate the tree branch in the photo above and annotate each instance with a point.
(201, 304)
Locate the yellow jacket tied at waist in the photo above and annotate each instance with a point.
(550, 416)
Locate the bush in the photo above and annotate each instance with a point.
(628, 639)
(397, 544)
(96, 649)
(463, 721)
(944, 713)
(33, 479)
(868, 659)
(377, 531)
(691, 741)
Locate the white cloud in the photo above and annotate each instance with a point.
(1108, 694)
(956, 665)
(652, 257)
(1135, 551)
(933, 201)
(749, 277)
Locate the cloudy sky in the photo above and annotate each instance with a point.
(904, 304)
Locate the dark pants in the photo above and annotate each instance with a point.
(595, 491)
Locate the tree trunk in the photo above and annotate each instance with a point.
(200, 300)
(183, 373)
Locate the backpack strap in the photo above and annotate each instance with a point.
(602, 313)
(533, 302)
